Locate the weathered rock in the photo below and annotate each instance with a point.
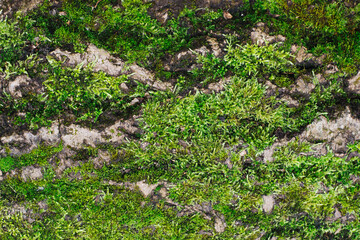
(163, 192)
(302, 87)
(102, 158)
(217, 86)
(261, 38)
(146, 189)
(79, 137)
(354, 84)
(228, 163)
(268, 154)
(1, 176)
(65, 162)
(338, 132)
(290, 101)
(72, 137)
(15, 86)
(220, 224)
(269, 203)
(23, 85)
(331, 69)
(10, 7)
(216, 50)
(31, 173)
(185, 60)
(103, 61)
(124, 87)
(203, 232)
(27, 141)
(305, 59)
(162, 9)
(43, 205)
(320, 78)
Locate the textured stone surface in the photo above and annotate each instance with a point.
(146, 189)
(354, 84)
(10, 7)
(31, 173)
(338, 132)
(269, 203)
(103, 61)
(305, 59)
(19, 144)
(261, 38)
(220, 224)
(303, 87)
(73, 136)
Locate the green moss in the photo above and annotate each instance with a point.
(38, 156)
(208, 146)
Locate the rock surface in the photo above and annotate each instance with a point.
(73, 136)
(31, 173)
(103, 61)
(146, 189)
(10, 7)
(269, 203)
(305, 59)
(354, 84)
(338, 133)
(261, 38)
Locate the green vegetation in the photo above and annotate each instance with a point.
(208, 147)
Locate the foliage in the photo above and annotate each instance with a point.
(322, 27)
(212, 68)
(260, 61)
(81, 91)
(208, 148)
(11, 41)
(126, 30)
(37, 156)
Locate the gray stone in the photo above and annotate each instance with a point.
(185, 60)
(228, 163)
(24, 143)
(103, 61)
(79, 137)
(220, 224)
(203, 232)
(31, 173)
(290, 101)
(354, 84)
(338, 132)
(331, 69)
(303, 87)
(269, 203)
(43, 205)
(102, 158)
(10, 7)
(162, 86)
(337, 214)
(268, 155)
(305, 59)
(15, 86)
(320, 78)
(146, 189)
(219, 86)
(262, 39)
(23, 85)
(216, 50)
(163, 192)
(124, 87)
(134, 102)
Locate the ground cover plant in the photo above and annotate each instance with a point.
(203, 153)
